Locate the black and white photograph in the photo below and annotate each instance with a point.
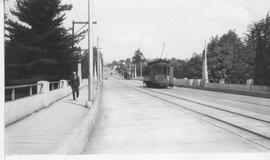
(135, 79)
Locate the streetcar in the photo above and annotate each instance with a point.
(158, 73)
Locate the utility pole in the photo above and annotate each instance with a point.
(97, 69)
(90, 50)
(100, 68)
(135, 70)
(99, 63)
(141, 68)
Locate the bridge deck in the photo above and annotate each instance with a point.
(133, 122)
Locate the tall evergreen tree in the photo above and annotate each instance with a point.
(38, 46)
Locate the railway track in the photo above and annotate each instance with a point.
(221, 107)
(245, 121)
(250, 102)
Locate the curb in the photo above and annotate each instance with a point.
(76, 141)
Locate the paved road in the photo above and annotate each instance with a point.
(249, 103)
(132, 122)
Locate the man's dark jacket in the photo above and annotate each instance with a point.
(75, 82)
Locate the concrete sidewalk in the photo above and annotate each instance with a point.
(42, 131)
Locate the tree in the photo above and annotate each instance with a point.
(38, 46)
(194, 67)
(179, 67)
(137, 59)
(227, 59)
(85, 62)
(258, 43)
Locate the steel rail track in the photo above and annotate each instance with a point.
(231, 99)
(200, 113)
(210, 106)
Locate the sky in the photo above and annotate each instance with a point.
(184, 26)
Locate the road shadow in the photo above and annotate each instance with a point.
(71, 101)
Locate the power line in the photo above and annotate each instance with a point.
(178, 10)
(84, 15)
(93, 10)
(81, 28)
(75, 11)
(94, 19)
(236, 6)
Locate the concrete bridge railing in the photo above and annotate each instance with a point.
(249, 87)
(20, 108)
(187, 82)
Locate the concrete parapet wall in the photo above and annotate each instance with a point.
(239, 87)
(179, 82)
(187, 82)
(196, 83)
(20, 108)
(260, 88)
(234, 87)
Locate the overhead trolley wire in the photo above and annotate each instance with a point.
(75, 11)
(85, 16)
(238, 5)
(178, 10)
(81, 28)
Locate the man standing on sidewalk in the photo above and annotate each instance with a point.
(75, 84)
